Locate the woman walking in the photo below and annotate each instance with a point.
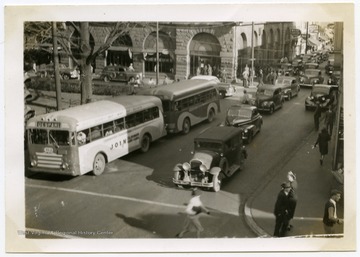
(322, 140)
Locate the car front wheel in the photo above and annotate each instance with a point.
(216, 183)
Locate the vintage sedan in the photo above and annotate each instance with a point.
(65, 72)
(310, 77)
(118, 73)
(320, 94)
(219, 153)
(225, 89)
(334, 78)
(245, 117)
(289, 85)
(269, 98)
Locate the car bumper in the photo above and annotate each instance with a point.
(192, 183)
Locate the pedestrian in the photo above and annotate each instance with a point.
(329, 120)
(321, 78)
(165, 81)
(246, 98)
(330, 216)
(151, 82)
(317, 115)
(131, 67)
(193, 210)
(270, 78)
(281, 210)
(261, 77)
(322, 139)
(292, 196)
(131, 86)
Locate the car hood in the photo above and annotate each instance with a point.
(309, 76)
(237, 121)
(205, 157)
(263, 98)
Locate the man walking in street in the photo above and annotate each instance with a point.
(330, 216)
(193, 210)
(281, 211)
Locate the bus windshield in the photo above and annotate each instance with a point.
(49, 137)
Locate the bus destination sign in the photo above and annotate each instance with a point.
(48, 124)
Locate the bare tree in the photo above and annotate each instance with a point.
(77, 42)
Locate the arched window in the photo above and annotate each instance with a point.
(204, 50)
(166, 53)
(119, 53)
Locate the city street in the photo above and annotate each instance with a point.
(135, 197)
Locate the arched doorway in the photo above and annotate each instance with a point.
(119, 53)
(243, 56)
(271, 47)
(166, 53)
(204, 50)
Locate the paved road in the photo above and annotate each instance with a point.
(135, 197)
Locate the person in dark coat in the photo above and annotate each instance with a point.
(292, 196)
(322, 139)
(281, 210)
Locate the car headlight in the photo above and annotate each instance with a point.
(203, 168)
(186, 166)
(245, 131)
(323, 98)
(311, 98)
(301, 80)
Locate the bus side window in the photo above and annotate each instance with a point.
(119, 125)
(109, 128)
(96, 132)
(82, 137)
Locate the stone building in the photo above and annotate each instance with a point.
(186, 49)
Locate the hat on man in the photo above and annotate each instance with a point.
(285, 185)
(335, 192)
(195, 192)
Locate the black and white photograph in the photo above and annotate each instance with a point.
(180, 128)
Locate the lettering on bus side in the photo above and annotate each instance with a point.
(118, 144)
(133, 137)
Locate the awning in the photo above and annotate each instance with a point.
(314, 42)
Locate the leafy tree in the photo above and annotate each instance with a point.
(77, 42)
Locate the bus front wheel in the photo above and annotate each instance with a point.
(99, 164)
(186, 126)
(145, 143)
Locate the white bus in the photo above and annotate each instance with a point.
(187, 103)
(86, 137)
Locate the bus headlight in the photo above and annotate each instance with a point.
(33, 163)
(64, 166)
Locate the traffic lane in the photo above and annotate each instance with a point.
(280, 134)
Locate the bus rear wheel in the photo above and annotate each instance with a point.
(145, 143)
(211, 115)
(186, 126)
(99, 164)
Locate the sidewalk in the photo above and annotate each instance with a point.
(314, 185)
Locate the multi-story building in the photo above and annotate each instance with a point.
(183, 47)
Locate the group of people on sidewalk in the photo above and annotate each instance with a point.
(285, 206)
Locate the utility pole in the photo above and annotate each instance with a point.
(252, 54)
(56, 67)
(307, 35)
(157, 53)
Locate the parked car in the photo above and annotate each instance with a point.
(309, 77)
(66, 72)
(311, 65)
(119, 73)
(334, 78)
(246, 117)
(225, 89)
(269, 98)
(320, 94)
(289, 85)
(219, 152)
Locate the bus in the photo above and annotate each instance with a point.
(187, 103)
(84, 138)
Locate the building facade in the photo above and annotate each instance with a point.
(189, 49)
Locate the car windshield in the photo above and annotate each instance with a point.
(240, 113)
(215, 146)
(320, 90)
(266, 92)
(311, 72)
(283, 81)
